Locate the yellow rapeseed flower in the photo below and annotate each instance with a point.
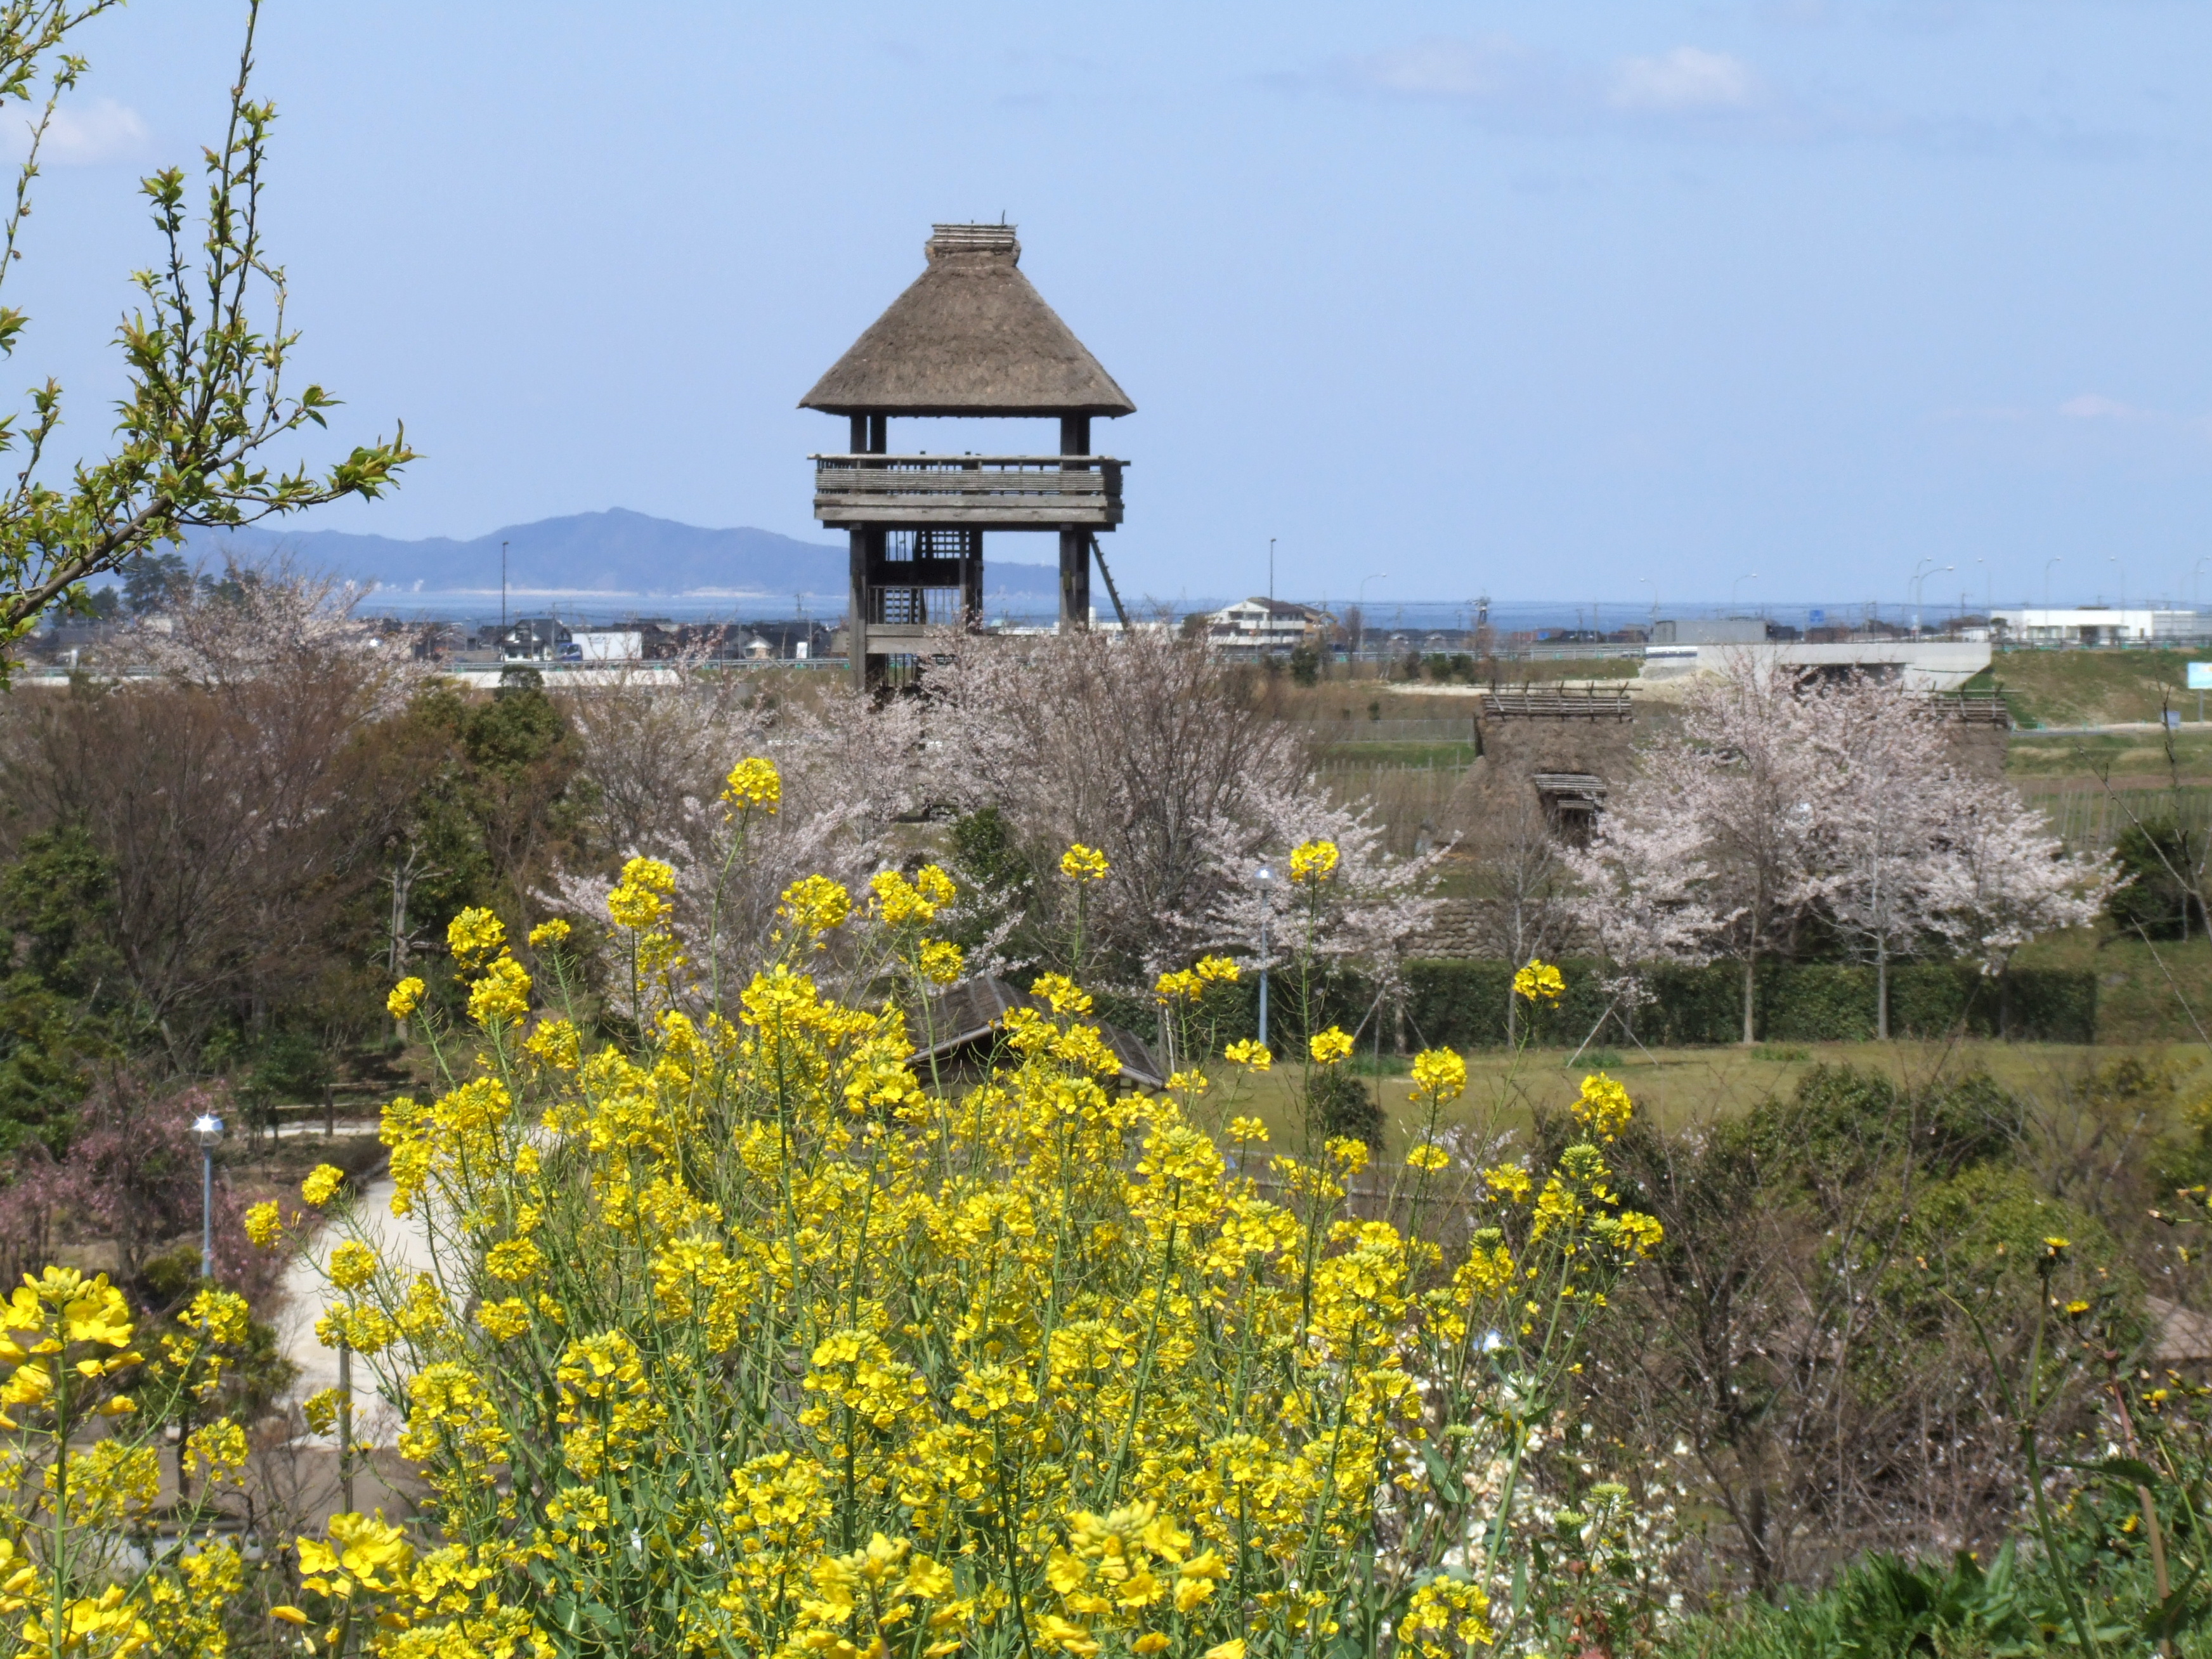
(1313, 861)
(1331, 1046)
(265, 1224)
(362, 1554)
(640, 901)
(1081, 863)
(816, 903)
(1509, 1181)
(753, 782)
(1539, 979)
(473, 936)
(1603, 1108)
(503, 993)
(1253, 1057)
(322, 1184)
(352, 1265)
(1430, 1157)
(1439, 1076)
(940, 961)
(898, 901)
(405, 998)
(1246, 1129)
(549, 932)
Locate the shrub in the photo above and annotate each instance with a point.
(2160, 899)
(1342, 1103)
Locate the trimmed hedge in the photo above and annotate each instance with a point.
(1463, 1004)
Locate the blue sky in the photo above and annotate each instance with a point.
(1544, 301)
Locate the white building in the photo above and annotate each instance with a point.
(1265, 625)
(2098, 625)
(611, 645)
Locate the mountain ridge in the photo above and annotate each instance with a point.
(614, 552)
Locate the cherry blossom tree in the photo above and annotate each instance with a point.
(1782, 801)
(1139, 745)
(1704, 853)
(1889, 790)
(1917, 853)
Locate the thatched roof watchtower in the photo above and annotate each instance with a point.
(970, 337)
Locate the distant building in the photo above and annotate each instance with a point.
(2098, 624)
(1935, 664)
(1262, 626)
(609, 644)
(1710, 630)
(534, 639)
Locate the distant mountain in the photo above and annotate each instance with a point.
(600, 555)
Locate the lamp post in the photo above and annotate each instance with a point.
(206, 1129)
(2047, 563)
(502, 599)
(1271, 579)
(2196, 598)
(1748, 576)
(1379, 576)
(2121, 632)
(1919, 581)
(1265, 879)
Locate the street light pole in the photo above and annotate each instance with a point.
(1748, 576)
(1271, 579)
(1379, 576)
(502, 597)
(206, 1129)
(1919, 581)
(1266, 877)
(2047, 563)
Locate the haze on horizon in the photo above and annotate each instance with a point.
(1537, 300)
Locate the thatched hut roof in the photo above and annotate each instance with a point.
(970, 1021)
(969, 336)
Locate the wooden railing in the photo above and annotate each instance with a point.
(1557, 704)
(1008, 491)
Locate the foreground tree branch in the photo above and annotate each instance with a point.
(208, 398)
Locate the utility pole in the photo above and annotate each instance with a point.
(1265, 876)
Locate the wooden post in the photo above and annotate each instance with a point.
(971, 582)
(856, 633)
(1074, 543)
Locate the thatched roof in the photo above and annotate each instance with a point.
(970, 337)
